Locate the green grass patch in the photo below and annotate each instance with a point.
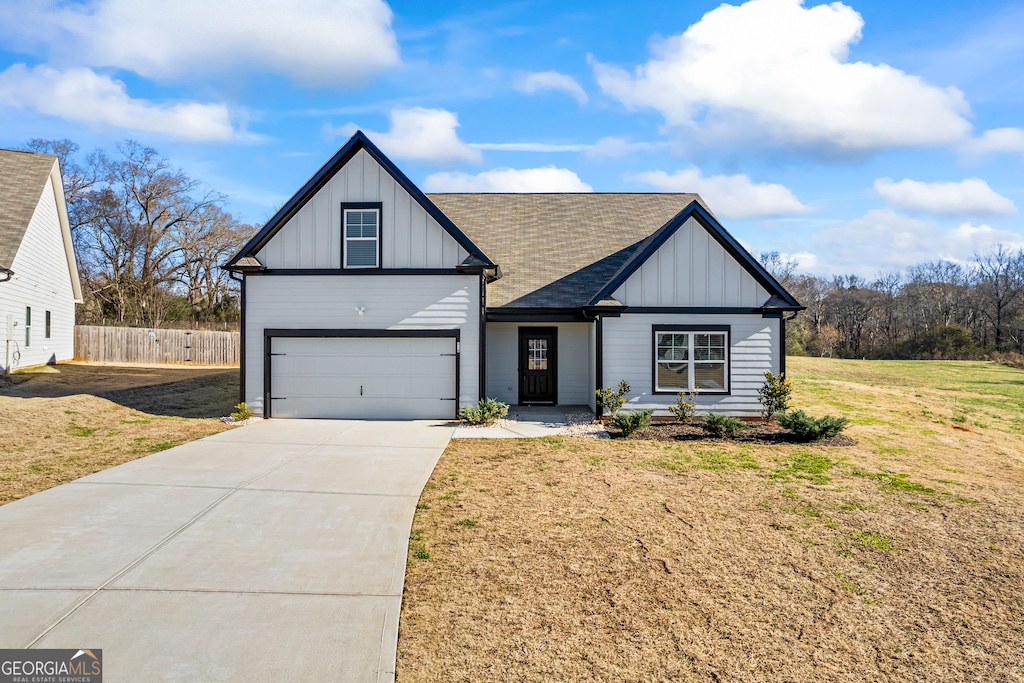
(806, 465)
(876, 541)
(675, 458)
(79, 430)
(468, 523)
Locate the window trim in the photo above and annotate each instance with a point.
(47, 335)
(363, 206)
(28, 327)
(712, 329)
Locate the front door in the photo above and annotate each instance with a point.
(538, 365)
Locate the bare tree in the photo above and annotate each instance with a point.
(999, 279)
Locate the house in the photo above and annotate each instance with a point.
(364, 298)
(39, 284)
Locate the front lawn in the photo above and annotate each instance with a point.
(59, 423)
(898, 558)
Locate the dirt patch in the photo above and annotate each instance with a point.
(898, 558)
(53, 430)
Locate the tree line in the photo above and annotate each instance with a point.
(148, 238)
(935, 310)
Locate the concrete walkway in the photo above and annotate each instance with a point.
(529, 422)
(269, 552)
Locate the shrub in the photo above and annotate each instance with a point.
(242, 412)
(633, 421)
(610, 400)
(722, 425)
(807, 428)
(683, 409)
(487, 411)
(774, 394)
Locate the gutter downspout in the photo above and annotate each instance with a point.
(240, 279)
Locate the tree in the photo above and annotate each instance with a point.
(999, 278)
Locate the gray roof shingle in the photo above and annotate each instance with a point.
(22, 180)
(557, 250)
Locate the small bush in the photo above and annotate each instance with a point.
(722, 425)
(242, 412)
(612, 401)
(774, 395)
(487, 411)
(633, 421)
(807, 428)
(683, 409)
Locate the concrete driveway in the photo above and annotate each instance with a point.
(270, 552)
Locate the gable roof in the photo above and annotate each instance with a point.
(23, 177)
(22, 181)
(357, 142)
(574, 250)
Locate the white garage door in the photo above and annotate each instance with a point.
(363, 377)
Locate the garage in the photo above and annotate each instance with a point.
(365, 374)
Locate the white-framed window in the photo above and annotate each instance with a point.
(362, 238)
(690, 358)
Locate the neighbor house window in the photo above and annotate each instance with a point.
(47, 324)
(362, 238)
(691, 359)
(28, 326)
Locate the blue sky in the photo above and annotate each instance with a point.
(858, 137)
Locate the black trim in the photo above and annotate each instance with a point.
(241, 338)
(655, 329)
(552, 370)
(357, 142)
(599, 351)
(695, 310)
(359, 271)
(355, 206)
(694, 210)
(270, 333)
(782, 347)
(537, 315)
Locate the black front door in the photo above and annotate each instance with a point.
(538, 365)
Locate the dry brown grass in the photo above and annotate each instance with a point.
(900, 558)
(53, 428)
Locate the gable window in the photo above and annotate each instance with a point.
(362, 238)
(47, 324)
(689, 358)
(28, 326)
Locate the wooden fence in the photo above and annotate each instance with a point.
(142, 345)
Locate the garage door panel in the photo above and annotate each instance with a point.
(363, 377)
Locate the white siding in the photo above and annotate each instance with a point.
(691, 269)
(399, 302)
(575, 360)
(410, 238)
(41, 280)
(754, 349)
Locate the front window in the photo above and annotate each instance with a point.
(691, 360)
(362, 237)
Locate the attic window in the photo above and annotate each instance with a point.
(362, 238)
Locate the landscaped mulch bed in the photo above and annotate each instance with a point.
(755, 433)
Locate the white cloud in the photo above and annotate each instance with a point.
(551, 80)
(420, 135)
(546, 179)
(729, 196)
(83, 96)
(313, 41)
(529, 147)
(996, 141)
(883, 239)
(971, 196)
(775, 68)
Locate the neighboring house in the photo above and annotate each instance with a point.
(39, 284)
(364, 298)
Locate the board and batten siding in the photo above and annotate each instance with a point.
(691, 269)
(389, 302)
(754, 344)
(410, 237)
(575, 354)
(41, 280)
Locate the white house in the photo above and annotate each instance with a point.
(39, 284)
(363, 297)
